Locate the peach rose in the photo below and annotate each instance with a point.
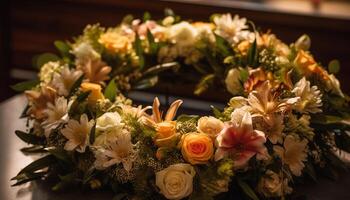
(116, 42)
(166, 134)
(95, 92)
(197, 148)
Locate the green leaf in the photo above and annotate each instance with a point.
(84, 95)
(146, 16)
(222, 45)
(76, 85)
(44, 58)
(146, 83)
(326, 119)
(217, 113)
(161, 67)
(111, 90)
(139, 51)
(60, 154)
(247, 189)
(33, 149)
(183, 118)
(153, 46)
(252, 57)
(26, 85)
(39, 164)
(204, 84)
(30, 138)
(62, 47)
(92, 134)
(27, 177)
(334, 66)
(127, 19)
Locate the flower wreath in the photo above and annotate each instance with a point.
(287, 116)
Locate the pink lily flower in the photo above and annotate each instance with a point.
(239, 141)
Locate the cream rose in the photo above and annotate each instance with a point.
(176, 181)
(210, 126)
(108, 121)
(232, 81)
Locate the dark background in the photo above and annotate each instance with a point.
(30, 27)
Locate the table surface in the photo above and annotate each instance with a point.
(12, 161)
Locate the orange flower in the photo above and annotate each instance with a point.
(95, 92)
(166, 134)
(197, 148)
(307, 65)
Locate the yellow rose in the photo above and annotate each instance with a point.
(307, 65)
(166, 134)
(115, 42)
(95, 92)
(210, 126)
(197, 148)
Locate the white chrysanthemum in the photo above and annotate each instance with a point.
(183, 34)
(47, 71)
(57, 113)
(293, 153)
(309, 97)
(119, 150)
(77, 133)
(64, 80)
(84, 51)
(232, 29)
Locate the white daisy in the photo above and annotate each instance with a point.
(64, 80)
(232, 29)
(77, 133)
(119, 150)
(309, 97)
(57, 113)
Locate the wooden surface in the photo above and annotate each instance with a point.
(12, 160)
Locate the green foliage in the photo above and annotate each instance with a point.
(145, 83)
(92, 134)
(76, 85)
(111, 90)
(252, 57)
(334, 66)
(30, 138)
(26, 85)
(225, 168)
(63, 48)
(247, 189)
(139, 51)
(27, 177)
(40, 60)
(39, 164)
(146, 16)
(161, 67)
(204, 84)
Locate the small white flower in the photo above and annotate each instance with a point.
(119, 150)
(57, 113)
(64, 80)
(232, 29)
(176, 181)
(107, 127)
(77, 133)
(47, 71)
(233, 82)
(293, 153)
(309, 97)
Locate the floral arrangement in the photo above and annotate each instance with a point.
(287, 117)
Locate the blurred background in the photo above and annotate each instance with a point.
(30, 27)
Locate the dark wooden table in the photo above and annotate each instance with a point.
(12, 160)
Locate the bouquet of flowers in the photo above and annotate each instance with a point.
(287, 117)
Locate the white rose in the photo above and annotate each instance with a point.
(232, 81)
(176, 181)
(210, 126)
(108, 121)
